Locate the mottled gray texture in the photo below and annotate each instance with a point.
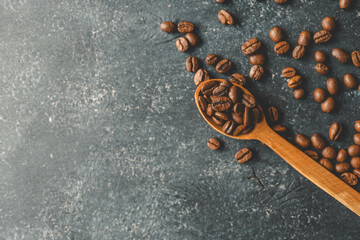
(101, 139)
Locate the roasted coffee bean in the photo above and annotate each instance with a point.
(234, 94)
(314, 155)
(182, 44)
(322, 36)
(322, 69)
(192, 39)
(328, 105)
(299, 93)
(273, 114)
(302, 141)
(225, 17)
(288, 72)
(223, 66)
(222, 116)
(240, 129)
(357, 125)
(329, 152)
(208, 88)
(349, 178)
(251, 46)
(192, 64)
(280, 1)
(298, 52)
(335, 131)
(342, 167)
(220, 1)
(256, 72)
(238, 109)
(238, 78)
(217, 121)
(304, 38)
(317, 141)
(320, 57)
(356, 138)
(200, 76)
(354, 151)
(257, 59)
(237, 118)
(202, 103)
(168, 27)
(229, 127)
(340, 55)
(328, 23)
(243, 155)
(208, 98)
(355, 57)
(341, 156)
(295, 81)
(355, 162)
(247, 117)
(257, 115)
(249, 101)
(213, 144)
(185, 27)
(276, 34)
(332, 85)
(221, 90)
(226, 83)
(279, 129)
(319, 95)
(327, 164)
(209, 110)
(345, 4)
(211, 59)
(357, 172)
(281, 47)
(221, 104)
(350, 81)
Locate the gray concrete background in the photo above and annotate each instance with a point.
(100, 137)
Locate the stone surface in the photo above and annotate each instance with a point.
(101, 138)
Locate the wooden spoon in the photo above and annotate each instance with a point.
(305, 165)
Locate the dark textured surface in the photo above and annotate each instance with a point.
(101, 138)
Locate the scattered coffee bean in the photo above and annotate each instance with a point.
(168, 27)
(356, 138)
(355, 57)
(288, 72)
(344, 4)
(335, 131)
(276, 34)
(328, 105)
(295, 81)
(327, 164)
(322, 36)
(200, 76)
(211, 59)
(340, 55)
(251, 46)
(319, 95)
(257, 59)
(304, 38)
(279, 129)
(329, 152)
(213, 144)
(317, 141)
(220, 1)
(243, 155)
(192, 39)
(273, 114)
(332, 85)
(354, 151)
(357, 125)
(322, 69)
(350, 81)
(320, 57)
(280, 1)
(192, 64)
(302, 141)
(256, 72)
(182, 44)
(341, 156)
(225, 17)
(281, 47)
(349, 178)
(314, 155)
(328, 23)
(185, 27)
(342, 167)
(355, 162)
(298, 52)
(223, 66)
(299, 93)
(238, 78)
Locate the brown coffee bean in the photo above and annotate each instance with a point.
(247, 119)
(329, 152)
(192, 64)
(273, 114)
(322, 36)
(322, 69)
(355, 162)
(192, 39)
(280, 1)
(319, 95)
(211, 59)
(320, 57)
(202, 103)
(326, 163)
(239, 130)
(350, 81)
(257, 59)
(221, 104)
(304, 38)
(251, 46)
(335, 131)
(200, 76)
(222, 116)
(332, 85)
(217, 121)
(248, 100)
(281, 47)
(276, 34)
(298, 52)
(220, 1)
(208, 88)
(234, 94)
(223, 66)
(279, 128)
(340, 55)
(209, 110)
(225, 17)
(314, 155)
(238, 78)
(237, 118)
(342, 167)
(328, 105)
(185, 27)
(168, 27)
(229, 127)
(328, 23)
(221, 90)
(357, 125)
(226, 83)
(213, 144)
(288, 72)
(345, 4)
(295, 81)
(302, 141)
(182, 44)
(238, 109)
(256, 72)
(341, 156)
(243, 155)
(349, 178)
(356, 138)
(355, 57)
(299, 93)
(354, 151)
(257, 115)
(317, 141)
(357, 172)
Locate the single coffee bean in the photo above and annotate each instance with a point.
(299, 93)
(357, 125)
(192, 64)
(288, 72)
(200, 76)
(229, 127)
(326, 163)
(251, 46)
(355, 162)
(281, 47)
(256, 72)
(257, 59)
(317, 141)
(247, 117)
(185, 27)
(320, 57)
(208, 88)
(341, 156)
(217, 121)
(223, 66)
(168, 27)
(249, 101)
(276, 34)
(345, 4)
(356, 138)
(355, 57)
(226, 83)
(328, 105)
(202, 103)
(225, 17)
(322, 69)
(279, 128)
(295, 81)
(304, 38)
(340, 55)
(240, 129)
(257, 115)
(213, 144)
(211, 59)
(349, 178)
(328, 23)
(302, 141)
(238, 78)
(342, 167)
(209, 110)
(192, 39)
(314, 155)
(329, 152)
(319, 95)
(238, 109)
(354, 151)
(280, 1)
(243, 155)
(322, 36)
(182, 44)
(234, 94)
(298, 52)
(221, 104)
(220, 90)
(335, 131)
(273, 114)
(237, 118)
(220, 1)
(350, 81)
(332, 85)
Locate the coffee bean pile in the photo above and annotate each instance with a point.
(294, 82)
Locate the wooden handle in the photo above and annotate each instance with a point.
(310, 169)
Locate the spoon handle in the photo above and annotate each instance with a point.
(310, 169)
